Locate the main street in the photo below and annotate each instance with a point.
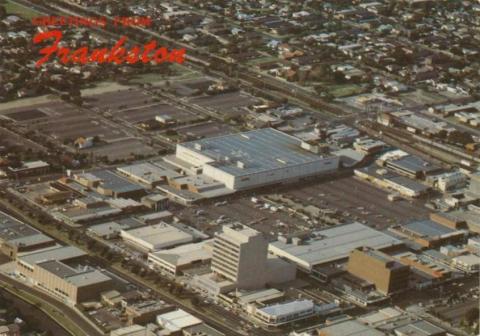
(224, 321)
(62, 310)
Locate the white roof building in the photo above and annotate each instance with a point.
(282, 313)
(156, 237)
(330, 245)
(469, 263)
(254, 158)
(177, 320)
(172, 261)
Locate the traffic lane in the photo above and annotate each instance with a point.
(162, 296)
(38, 320)
(64, 309)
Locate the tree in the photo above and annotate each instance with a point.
(91, 244)
(459, 137)
(472, 315)
(3, 12)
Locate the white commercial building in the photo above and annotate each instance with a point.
(282, 313)
(450, 180)
(469, 263)
(173, 261)
(156, 237)
(148, 173)
(240, 254)
(177, 320)
(330, 245)
(252, 159)
(133, 330)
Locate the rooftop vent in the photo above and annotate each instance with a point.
(309, 147)
(198, 146)
(241, 164)
(297, 241)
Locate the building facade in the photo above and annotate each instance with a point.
(252, 159)
(49, 270)
(240, 255)
(378, 268)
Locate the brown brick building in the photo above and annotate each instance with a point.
(378, 268)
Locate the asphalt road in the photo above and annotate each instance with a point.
(34, 316)
(68, 312)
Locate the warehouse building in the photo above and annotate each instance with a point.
(156, 237)
(448, 220)
(475, 184)
(388, 180)
(143, 311)
(133, 330)
(350, 328)
(413, 167)
(107, 183)
(330, 245)
(26, 169)
(173, 261)
(53, 271)
(252, 159)
(428, 269)
(111, 230)
(150, 174)
(469, 263)
(174, 322)
(429, 234)
(17, 237)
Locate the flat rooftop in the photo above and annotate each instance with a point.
(158, 236)
(177, 320)
(31, 165)
(112, 181)
(350, 328)
(428, 228)
(414, 164)
(57, 254)
(87, 278)
(239, 231)
(387, 175)
(332, 244)
(387, 260)
(148, 172)
(259, 150)
(289, 308)
(19, 233)
(57, 268)
(419, 328)
(186, 254)
(52, 261)
(114, 227)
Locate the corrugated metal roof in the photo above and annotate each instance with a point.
(289, 308)
(258, 150)
(333, 244)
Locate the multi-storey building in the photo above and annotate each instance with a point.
(240, 255)
(378, 268)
